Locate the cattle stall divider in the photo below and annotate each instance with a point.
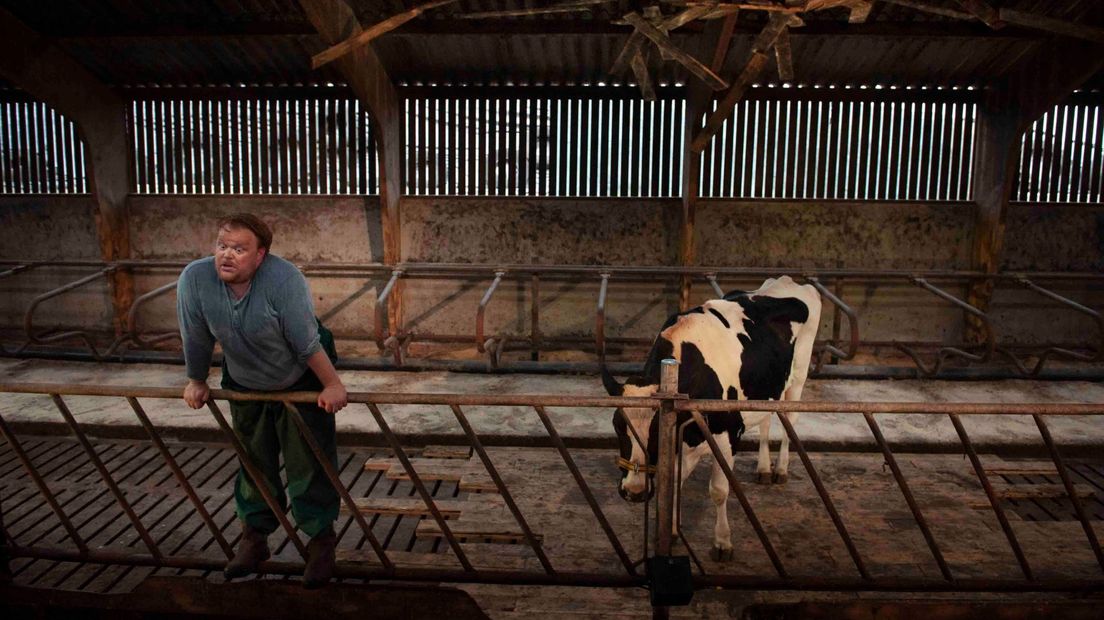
(612, 563)
(830, 350)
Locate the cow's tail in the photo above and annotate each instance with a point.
(612, 386)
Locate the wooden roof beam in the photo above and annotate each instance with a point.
(42, 69)
(662, 41)
(751, 72)
(367, 77)
(366, 36)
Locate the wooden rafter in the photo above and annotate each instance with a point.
(983, 11)
(860, 11)
(643, 79)
(931, 8)
(784, 56)
(366, 36)
(661, 40)
(564, 7)
(1057, 26)
(751, 72)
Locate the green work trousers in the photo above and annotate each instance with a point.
(266, 429)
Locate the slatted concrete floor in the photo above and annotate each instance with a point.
(865, 493)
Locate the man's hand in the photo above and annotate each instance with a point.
(196, 393)
(333, 398)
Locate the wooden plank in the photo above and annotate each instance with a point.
(364, 37)
(662, 41)
(410, 507)
(1049, 24)
(505, 530)
(1032, 492)
(447, 452)
(1021, 470)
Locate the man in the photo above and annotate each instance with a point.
(258, 307)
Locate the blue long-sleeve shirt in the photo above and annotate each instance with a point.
(266, 336)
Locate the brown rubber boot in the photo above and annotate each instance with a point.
(252, 550)
(320, 559)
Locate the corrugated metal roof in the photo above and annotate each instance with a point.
(259, 42)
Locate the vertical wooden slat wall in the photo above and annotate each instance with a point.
(520, 144)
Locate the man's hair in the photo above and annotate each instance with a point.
(253, 224)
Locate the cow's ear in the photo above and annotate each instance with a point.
(612, 386)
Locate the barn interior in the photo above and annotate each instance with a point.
(493, 198)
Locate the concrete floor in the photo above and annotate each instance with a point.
(579, 426)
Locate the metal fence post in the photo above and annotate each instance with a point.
(665, 469)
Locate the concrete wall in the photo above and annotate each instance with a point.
(572, 231)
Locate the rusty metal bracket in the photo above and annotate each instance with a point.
(132, 334)
(380, 328)
(946, 353)
(852, 321)
(600, 319)
(47, 337)
(480, 342)
(1055, 351)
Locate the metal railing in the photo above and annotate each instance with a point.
(676, 414)
(396, 345)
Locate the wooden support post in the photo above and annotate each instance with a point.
(1044, 78)
(369, 81)
(33, 63)
(717, 37)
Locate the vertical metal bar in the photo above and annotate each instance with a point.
(828, 505)
(993, 501)
(258, 479)
(10, 437)
(600, 320)
(502, 489)
(665, 467)
(420, 486)
(739, 491)
(557, 441)
(335, 480)
(913, 506)
(106, 475)
(1078, 507)
(180, 476)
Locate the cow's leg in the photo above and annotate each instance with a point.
(718, 492)
(689, 460)
(781, 472)
(763, 465)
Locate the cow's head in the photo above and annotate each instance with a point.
(635, 463)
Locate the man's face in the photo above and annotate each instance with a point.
(237, 255)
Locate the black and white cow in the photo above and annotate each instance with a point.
(747, 346)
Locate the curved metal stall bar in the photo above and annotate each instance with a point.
(712, 277)
(132, 334)
(481, 343)
(28, 318)
(1055, 351)
(600, 319)
(946, 353)
(852, 321)
(384, 339)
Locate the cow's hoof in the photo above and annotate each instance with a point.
(764, 477)
(718, 554)
(780, 478)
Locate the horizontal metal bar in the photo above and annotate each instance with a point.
(555, 400)
(412, 269)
